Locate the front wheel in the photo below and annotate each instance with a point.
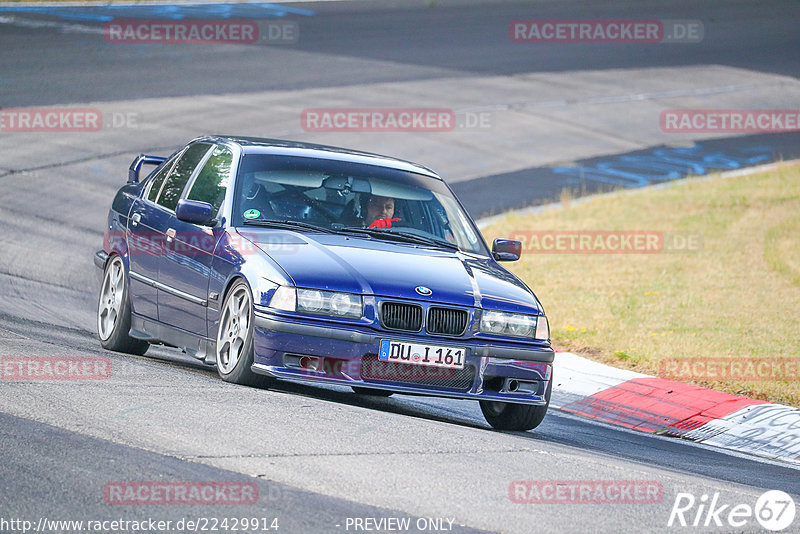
(510, 416)
(235, 337)
(114, 312)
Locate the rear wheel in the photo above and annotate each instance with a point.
(235, 337)
(510, 416)
(372, 392)
(114, 312)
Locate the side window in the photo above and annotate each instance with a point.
(212, 182)
(180, 175)
(158, 180)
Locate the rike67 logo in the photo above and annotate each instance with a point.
(774, 510)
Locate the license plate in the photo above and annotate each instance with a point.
(413, 353)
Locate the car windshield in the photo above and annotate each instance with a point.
(346, 197)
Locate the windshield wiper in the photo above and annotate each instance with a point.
(288, 224)
(429, 240)
(402, 236)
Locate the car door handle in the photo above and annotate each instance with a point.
(170, 235)
(135, 219)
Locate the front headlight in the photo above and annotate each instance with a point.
(515, 325)
(310, 300)
(318, 302)
(346, 305)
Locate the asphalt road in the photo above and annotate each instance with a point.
(322, 455)
(347, 42)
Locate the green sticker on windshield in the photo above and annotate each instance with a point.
(251, 214)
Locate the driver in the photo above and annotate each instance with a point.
(379, 212)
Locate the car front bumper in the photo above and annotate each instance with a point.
(347, 355)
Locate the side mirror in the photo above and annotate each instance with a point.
(506, 249)
(195, 212)
(142, 159)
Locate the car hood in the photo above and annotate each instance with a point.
(387, 269)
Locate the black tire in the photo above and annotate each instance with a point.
(510, 416)
(114, 311)
(235, 351)
(372, 392)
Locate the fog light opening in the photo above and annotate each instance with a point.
(309, 363)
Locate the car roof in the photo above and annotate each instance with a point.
(258, 145)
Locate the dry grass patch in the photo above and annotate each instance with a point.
(737, 296)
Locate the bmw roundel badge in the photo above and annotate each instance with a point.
(422, 290)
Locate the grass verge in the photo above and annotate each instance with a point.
(734, 294)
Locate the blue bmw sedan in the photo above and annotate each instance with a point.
(296, 261)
